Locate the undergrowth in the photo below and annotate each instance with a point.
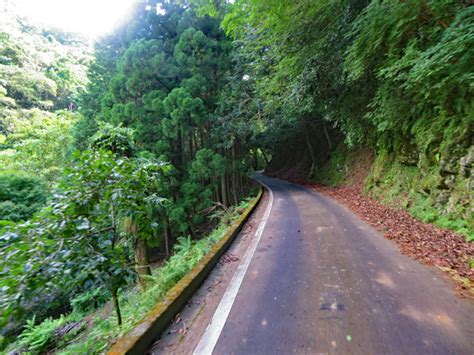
(416, 190)
(100, 327)
(411, 187)
(335, 169)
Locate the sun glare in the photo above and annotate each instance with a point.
(90, 17)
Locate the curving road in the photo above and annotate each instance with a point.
(319, 280)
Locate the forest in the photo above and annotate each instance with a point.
(123, 161)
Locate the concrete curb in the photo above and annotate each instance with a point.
(145, 332)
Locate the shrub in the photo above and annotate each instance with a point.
(21, 195)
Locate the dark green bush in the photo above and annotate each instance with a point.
(21, 195)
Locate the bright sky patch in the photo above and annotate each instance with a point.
(90, 17)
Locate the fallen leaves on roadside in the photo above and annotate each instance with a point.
(183, 329)
(228, 258)
(181, 326)
(421, 241)
(214, 285)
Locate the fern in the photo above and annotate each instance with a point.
(37, 338)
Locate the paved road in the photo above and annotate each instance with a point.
(322, 281)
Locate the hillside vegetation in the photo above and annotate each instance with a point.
(110, 172)
(395, 77)
(133, 154)
(42, 72)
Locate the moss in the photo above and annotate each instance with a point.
(422, 189)
(333, 171)
(429, 181)
(339, 167)
(420, 192)
(377, 171)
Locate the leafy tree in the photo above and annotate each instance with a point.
(106, 206)
(39, 143)
(160, 149)
(118, 140)
(41, 73)
(389, 74)
(40, 68)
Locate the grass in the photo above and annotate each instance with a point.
(102, 327)
(416, 190)
(424, 211)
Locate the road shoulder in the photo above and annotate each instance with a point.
(185, 332)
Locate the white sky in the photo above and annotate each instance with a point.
(90, 17)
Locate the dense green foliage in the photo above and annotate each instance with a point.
(138, 161)
(158, 157)
(165, 80)
(41, 73)
(135, 302)
(384, 72)
(39, 144)
(39, 67)
(393, 75)
(87, 236)
(20, 196)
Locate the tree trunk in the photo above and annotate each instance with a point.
(241, 183)
(327, 136)
(311, 153)
(234, 179)
(215, 188)
(234, 188)
(114, 291)
(167, 237)
(191, 149)
(224, 201)
(117, 307)
(228, 189)
(141, 260)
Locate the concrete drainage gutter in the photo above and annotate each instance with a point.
(147, 330)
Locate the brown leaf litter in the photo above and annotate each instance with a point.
(421, 241)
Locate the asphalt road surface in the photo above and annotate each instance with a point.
(320, 281)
